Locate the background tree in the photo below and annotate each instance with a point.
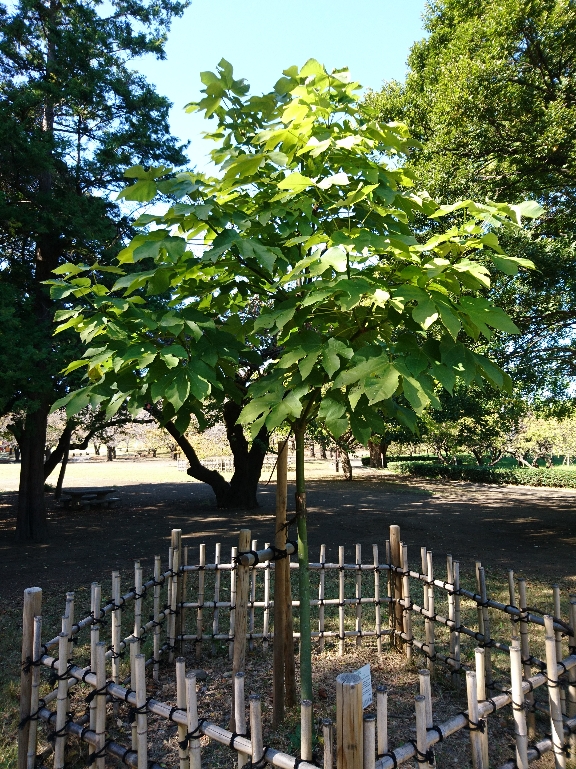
(491, 95)
(73, 115)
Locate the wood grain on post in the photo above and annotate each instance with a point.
(35, 693)
(421, 732)
(349, 721)
(306, 730)
(32, 608)
(256, 728)
(556, 723)
(241, 613)
(473, 721)
(396, 560)
(141, 716)
(382, 719)
(192, 720)
(481, 695)
(61, 702)
(181, 703)
(525, 648)
(328, 736)
(100, 698)
(240, 714)
(520, 728)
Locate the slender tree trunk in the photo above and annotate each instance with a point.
(303, 572)
(346, 465)
(322, 451)
(384, 453)
(31, 524)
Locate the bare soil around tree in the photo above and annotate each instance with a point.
(532, 530)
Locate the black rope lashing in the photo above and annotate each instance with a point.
(97, 692)
(33, 716)
(260, 763)
(140, 710)
(426, 757)
(474, 726)
(438, 730)
(195, 734)
(125, 755)
(299, 761)
(493, 704)
(99, 753)
(172, 711)
(391, 755)
(101, 620)
(62, 731)
(29, 663)
(246, 735)
(238, 558)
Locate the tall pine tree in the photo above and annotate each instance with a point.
(73, 116)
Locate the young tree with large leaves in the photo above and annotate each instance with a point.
(311, 222)
(73, 115)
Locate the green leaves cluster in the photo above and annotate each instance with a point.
(297, 278)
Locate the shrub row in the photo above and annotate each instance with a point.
(406, 458)
(518, 476)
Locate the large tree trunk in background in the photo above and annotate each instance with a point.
(31, 522)
(384, 453)
(346, 465)
(375, 454)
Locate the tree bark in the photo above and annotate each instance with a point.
(31, 522)
(346, 466)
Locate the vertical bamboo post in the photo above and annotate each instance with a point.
(138, 602)
(525, 648)
(430, 629)
(192, 718)
(395, 559)
(95, 603)
(181, 703)
(116, 627)
(456, 633)
(426, 692)
(390, 594)
(216, 615)
(306, 730)
(70, 614)
(481, 695)
(266, 617)
(421, 733)
(156, 618)
(100, 723)
(32, 608)
(141, 716)
(475, 734)
(328, 736)
(382, 719)
(176, 542)
(321, 588)
(407, 611)
(231, 631)
(512, 598)
(289, 659)
(556, 724)
(240, 714)
(34, 693)
(486, 628)
(133, 651)
(478, 566)
(280, 578)
(256, 729)
(520, 727)
(377, 608)
(558, 637)
(182, 598)
(94, 641)
(252, 598)
(369, 727)
(341, 605)
(241, 614)
(572, 671)
(450, 581)
(359, 595)
(200, 613)
(349, 737)
(61, 702)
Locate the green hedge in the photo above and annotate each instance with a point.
(407, 458)
(518, 476)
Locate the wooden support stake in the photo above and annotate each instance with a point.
(456, 634)
(138, 602)
(407, 611)
(141, 716)
(95, 603)
(94, 641)
(100, 698)
(328, 736)
(252, 599)
(240, 714)
(486, 629)
(70, 615)
(176, 542)
(421, 733)
(426, 692)
(266, 617)
(256, 728)
(512, 598)
(572, 672)
(390, 595)
(306, 730)
(395, 559)
(473, 721)
(450, 581)
(181, 703)
(192, 717)
(359, 595)
(481, 696)
(321, 589)
(478, 566)
(199, 614)
(216, 616)
(183, 593)
(556, 724)
(525, 648)
(349, 736)
(233, 570)
(156, 618)
(133, 645)
(558, 637)
(520, 727)
(377, 608)
(116, 627)
(241, 613)
(341, 605)
(34, 693)
(382, 719)
(61, 703)
(369, 727)
(430, 629)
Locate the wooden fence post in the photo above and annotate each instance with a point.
(473, 721)
(556, 724)
(349, 722)
(306, 730)
(32, 608)
(396, 560)
(328, 735)
(521, 730)
(241, 613)
(369, 726)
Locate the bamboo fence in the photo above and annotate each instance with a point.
(373, 601)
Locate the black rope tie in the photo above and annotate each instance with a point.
(261, 763)
(438, 730)
(140, 710)
(474, 726)
(97, 692)
(423, 758)
(493, 704)
(172, 711)
(99, 753)
(238, 558)
(61, 732)
(29, 663)
(389, 755)
(246, 735)
(33, 716)
(299, 761)
(195, 734)
(125, 756)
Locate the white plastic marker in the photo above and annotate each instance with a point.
(366, 678)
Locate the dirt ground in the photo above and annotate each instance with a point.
(532, 530)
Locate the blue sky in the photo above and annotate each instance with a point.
(263, 37)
